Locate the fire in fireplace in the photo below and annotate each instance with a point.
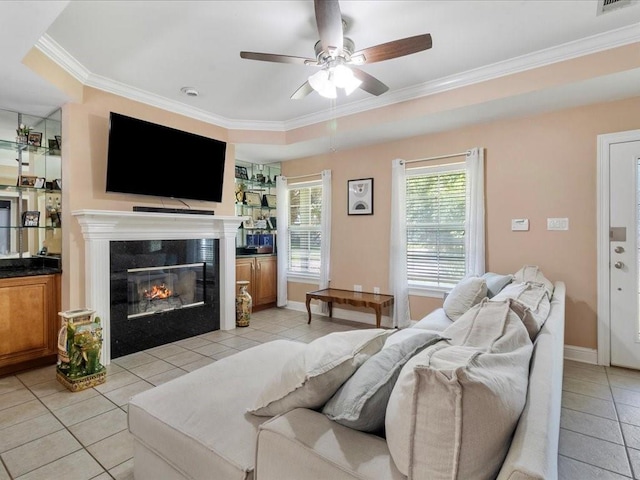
(160, 289)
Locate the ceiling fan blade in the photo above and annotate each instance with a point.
(329, 21)
(304, 90)
(272, 57)
(369, 84)
(394, 49)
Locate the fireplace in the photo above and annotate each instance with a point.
(162, 291)
(103, 230)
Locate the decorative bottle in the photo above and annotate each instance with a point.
(244, 304)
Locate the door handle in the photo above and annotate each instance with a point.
(619, 249)
(618, 264)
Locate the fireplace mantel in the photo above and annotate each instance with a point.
(99, 227)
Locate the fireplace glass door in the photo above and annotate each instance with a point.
(160, 289)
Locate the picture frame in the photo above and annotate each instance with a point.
(252, 199)
(241, 172)
(31, 218)
(57, 184)
(27, 180)
(269, 200)
(35, 139)
(360, 196)
(54, 148)
(39, 183)
(59, 140)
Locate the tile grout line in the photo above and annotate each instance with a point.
(624, 438)
(592, 465)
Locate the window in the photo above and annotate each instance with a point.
(435, 214)
(305, 206)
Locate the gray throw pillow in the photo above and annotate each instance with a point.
(361, 402)
(496, 282)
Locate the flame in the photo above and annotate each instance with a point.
(158, 291)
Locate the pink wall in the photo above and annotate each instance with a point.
(536, 167)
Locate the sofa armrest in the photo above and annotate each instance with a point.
(306, 444)
(533, 454)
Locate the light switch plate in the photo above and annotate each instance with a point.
(557, 224)
(519, 224)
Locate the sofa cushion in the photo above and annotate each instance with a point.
(361, 402)
(198, 422)
(533, 274)
(311, 377)
(465, 294)
(496, 282)
(530, 301)
(456, 404)
(436, 320)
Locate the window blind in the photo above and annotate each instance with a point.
(305, 206)
(436, 204)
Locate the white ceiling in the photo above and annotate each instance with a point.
(148, 50)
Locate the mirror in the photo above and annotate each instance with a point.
(30, 185)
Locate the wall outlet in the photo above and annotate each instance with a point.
(376, 289)
(357, 288)
(557, 224)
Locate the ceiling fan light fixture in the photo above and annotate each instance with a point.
(322, 83)
(343, 77)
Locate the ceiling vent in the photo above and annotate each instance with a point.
(606, 6)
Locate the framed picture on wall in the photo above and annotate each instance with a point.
(360, 196)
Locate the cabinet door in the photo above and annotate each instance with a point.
(266, 279)
(244, 271)
(28, 319)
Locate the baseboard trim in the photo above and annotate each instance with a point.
(351, 315)
(581, 354)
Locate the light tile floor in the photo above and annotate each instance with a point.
(47, 432)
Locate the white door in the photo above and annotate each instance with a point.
(624, 284)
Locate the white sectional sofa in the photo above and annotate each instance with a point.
(198, 426)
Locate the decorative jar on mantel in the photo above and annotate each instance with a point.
(244, 304)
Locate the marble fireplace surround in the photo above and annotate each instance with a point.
(99, 227)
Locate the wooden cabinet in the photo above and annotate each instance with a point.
(261, 273)
(29, 323)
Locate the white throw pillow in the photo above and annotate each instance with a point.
(533, 274)
(465, 294)
(530, 301)
(310, 378)
(454, 408)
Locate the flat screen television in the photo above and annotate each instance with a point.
(145, 158)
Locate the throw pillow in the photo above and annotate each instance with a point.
(454, 408)
(482, 325)
(310, 378)
(531, 302)
(533, 274)
(362, 401)
(465, 294)
(496, 282)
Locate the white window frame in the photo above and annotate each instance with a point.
(301, 277)
(423, 289)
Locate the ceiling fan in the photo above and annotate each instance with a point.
(337, 58)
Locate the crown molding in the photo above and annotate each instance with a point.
(596, 43)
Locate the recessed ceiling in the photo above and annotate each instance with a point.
(150, 50)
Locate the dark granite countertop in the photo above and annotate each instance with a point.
(30, 266)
